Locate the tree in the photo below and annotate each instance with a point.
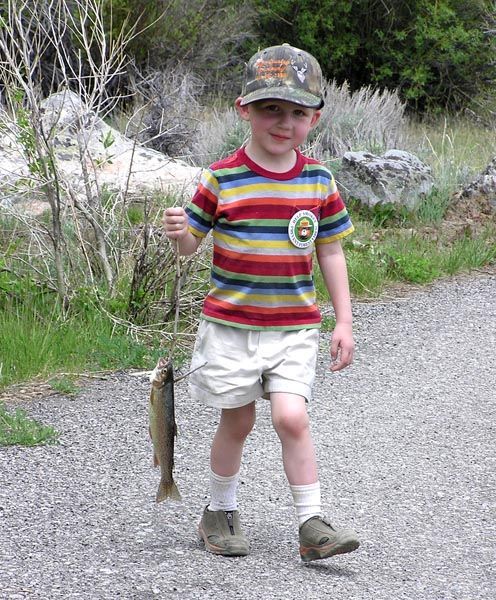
(437, 54)
(27, 34)
(206, 38)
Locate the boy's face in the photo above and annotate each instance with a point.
(277, 126)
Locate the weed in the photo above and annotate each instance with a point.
(433, 208)
(470, 253)
(16, 428)
(64, 385)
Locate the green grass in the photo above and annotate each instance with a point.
(17, 429)
(390, 246)
(37, 340)
(403, 255)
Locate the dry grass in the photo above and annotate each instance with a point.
(220, 133)
(371, 120)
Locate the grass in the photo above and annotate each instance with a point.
(378, 259)
(37, 340)
(17, 429)
(390, 246)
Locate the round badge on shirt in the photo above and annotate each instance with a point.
(303, 228)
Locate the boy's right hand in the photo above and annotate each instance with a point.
(175, 222)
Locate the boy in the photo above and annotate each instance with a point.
(267, 205)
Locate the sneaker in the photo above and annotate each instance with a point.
(319, 539)
(221, 532)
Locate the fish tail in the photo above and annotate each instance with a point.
(167, 490)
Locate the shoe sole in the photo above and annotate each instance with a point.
(218, 549)
(309, 553)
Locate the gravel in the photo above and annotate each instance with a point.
(405, 441)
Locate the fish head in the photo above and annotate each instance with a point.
(162, 372)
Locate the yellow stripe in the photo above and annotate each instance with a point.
(253, 188)
(335, 238)
(232, 241)
(266, 299)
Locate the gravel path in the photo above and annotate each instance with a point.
(406, 452)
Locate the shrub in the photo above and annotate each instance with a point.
(165, 116)
(219, 134)
(437, 54)
(367, 119)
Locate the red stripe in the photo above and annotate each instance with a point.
(275, 258)
(266, 212)
(205, 200)
(249, 315)
(273, 268)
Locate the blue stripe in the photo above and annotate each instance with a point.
(235, 228)
(236, 177)
(290, 287)
(335, 226)
(198, 222)
(250, 178)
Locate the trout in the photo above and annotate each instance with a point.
(163, 427)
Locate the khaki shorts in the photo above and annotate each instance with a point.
(243, 364)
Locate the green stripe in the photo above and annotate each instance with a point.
(262, 328)
(262, 278)
(231, 170)
(334, 218)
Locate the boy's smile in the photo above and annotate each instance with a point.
(277, 128)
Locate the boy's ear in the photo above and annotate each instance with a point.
(242, 110)
(315, 118)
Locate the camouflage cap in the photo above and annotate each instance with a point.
(283, 73)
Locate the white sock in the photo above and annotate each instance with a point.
(223, 492)
(306, 500)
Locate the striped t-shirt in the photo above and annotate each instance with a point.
(259, 279)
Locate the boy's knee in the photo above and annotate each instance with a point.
(242, 430)
(292, 424)
(238, 422)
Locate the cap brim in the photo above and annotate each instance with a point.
(283, 93)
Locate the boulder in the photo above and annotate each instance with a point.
(484, 185)
(112, 160)
(396, 177)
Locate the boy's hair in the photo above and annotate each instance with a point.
(283, 73)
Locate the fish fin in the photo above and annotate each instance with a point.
(175, 495)
(155, 460)
(167, 491)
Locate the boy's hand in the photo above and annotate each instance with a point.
(175, 222)
(342, 346)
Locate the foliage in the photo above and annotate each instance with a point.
(17, 429)
(363, 120)
(366, 119)
(220, 134)
(38, 337)
(166, 109)
(436, 54)
(204, 37)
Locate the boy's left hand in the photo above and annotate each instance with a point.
(342, 346)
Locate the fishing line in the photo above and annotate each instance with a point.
(177, 294)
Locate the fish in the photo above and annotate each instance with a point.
(162, 426)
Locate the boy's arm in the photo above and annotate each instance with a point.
(333, 267)
(175, 222)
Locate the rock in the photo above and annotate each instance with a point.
(396, 177)
(484, 185)
(113, 161)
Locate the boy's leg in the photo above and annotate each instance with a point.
(318, 538)
(227, 447)
(220, 527)
(292, 425)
